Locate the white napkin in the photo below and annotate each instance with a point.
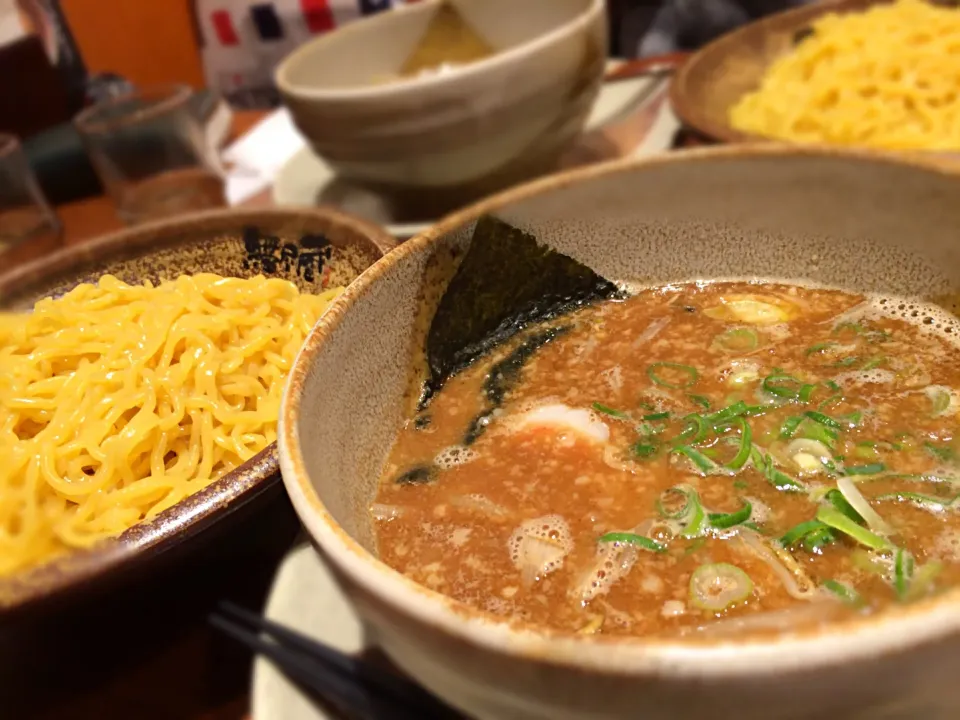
(254, 160)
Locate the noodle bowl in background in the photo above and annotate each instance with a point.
(117, 401)
(887, 78)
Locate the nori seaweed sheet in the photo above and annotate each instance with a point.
(506, 281)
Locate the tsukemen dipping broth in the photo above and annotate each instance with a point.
(711, 457)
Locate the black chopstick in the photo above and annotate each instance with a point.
(356, 688)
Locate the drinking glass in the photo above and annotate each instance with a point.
(25, 214)
(150, 149)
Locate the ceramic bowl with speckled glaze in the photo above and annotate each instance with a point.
(314, 248)
(446, 138)
(853, 220)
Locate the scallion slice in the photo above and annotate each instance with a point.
(728, 413)
(700, 400)
(941, 453)
(830, 516)
(824, 420)
(601, 408)
(779, 479)
(782, 386)
(722, 521)
(819, 347)
(703, 463)
(737, 340)
(903, 566)
(746, 444)
(717, 586)
(644, 449)
(844, 592)
(790, 426)
(800, 531)
(871, 469)
(836, 498)
(656, 416)
(690, 514)
(639, 541)
(687, 375)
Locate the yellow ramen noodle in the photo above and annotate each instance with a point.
(118, 401)
(886, 78)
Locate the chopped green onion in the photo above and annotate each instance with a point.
(846, 362)
(835, 519)
(873, 362)
(805, 392)
(940, 398)
(740, 484)
(690, 372)
(856, 327)
(871, 469)
(779, 479)
(703, 463)
(903, 566)
(819, 347)
(941, 453)
(700, 400)
(746, 443)
(811, 430)
(717, 586)
(824, 420)
(844, 592)
(753, 410)
(722, 521)
(782, 386)
(851, 420)
(601, 408)
(800, 531)
(691, 514)
(644, 450)
(728, 413)
(695, 430)
(829, 401)
(790, 425)
(656, 416)
(836, 498)
(625, 538)
(737, 340)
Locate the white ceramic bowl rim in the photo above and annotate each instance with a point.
(393, 89)
(894, 629)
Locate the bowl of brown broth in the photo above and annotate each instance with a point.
(440, 102)
(675, 437)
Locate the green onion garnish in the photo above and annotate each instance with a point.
(836, 498)
(728, 413)
(903, 566)
(601, 408)
(722, 521)
(777, 478)
(675, 369)
(819, 347)
(700, 400)
(835, 519)
(695, 430)
(656, 416)
(644, 450)
(871, 469)
(782, 386)
(824, 420)
(851, 420)
(737, 340)
(691, 513)
(844, 592)
(941, 401)
(717, 586)
(625, 538)
(790, 425)
(703, 463)
(941, 453)
(746, 444)
(800, 531)
(873, 362)
(815, 431)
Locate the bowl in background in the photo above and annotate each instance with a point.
(447, 138)
(314, 248)
(842, 218)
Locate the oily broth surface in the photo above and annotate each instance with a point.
(456, 528)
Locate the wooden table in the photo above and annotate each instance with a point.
(143, 649)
